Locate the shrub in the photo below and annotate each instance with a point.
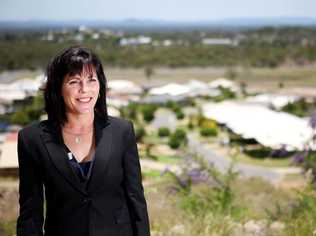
(140, 133)
(208, 123)
(174, 142)
(226, 93)
(215, 193)
(301, 219)
(29, 112)
(190, 124)
(208, 132)
(179, 115)
(129, 111)
(20, 118)
(180, 134)
(176, 108)
(148, 112)
(163, 132)
(172, 105)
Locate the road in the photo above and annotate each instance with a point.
(222, 163)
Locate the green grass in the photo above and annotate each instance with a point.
(293, 176)
(265, 162)
(151, 173)
(168, 159)
(154, 138)
(7, 228)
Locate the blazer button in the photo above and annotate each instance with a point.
(86, 200)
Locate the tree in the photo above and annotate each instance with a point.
(231, 73)
(149, 71)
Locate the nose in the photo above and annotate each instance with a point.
(84, 86)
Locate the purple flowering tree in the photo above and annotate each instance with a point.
(307, 157)
(219, 196)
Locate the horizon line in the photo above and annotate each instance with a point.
(164, 20)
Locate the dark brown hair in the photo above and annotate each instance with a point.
(71, 61)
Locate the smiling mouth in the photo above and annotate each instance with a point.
(84, 100)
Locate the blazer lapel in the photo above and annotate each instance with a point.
(51, 136)
(102, 156)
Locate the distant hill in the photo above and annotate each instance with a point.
(147, 24)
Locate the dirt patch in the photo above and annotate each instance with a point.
(164, 149)
(9, 206)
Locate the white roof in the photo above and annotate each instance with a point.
(11, 95)
(276, 100)
(116, 102)
(192, 88)
(270, 128)
(124, 86)
(172, 89)
(225, 83)
(197, 88)
(196, 84)
(25, 85)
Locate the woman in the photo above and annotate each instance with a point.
(85, 161)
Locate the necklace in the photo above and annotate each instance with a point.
(77, 135)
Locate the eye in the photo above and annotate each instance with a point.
(92, 79)
(73, 81)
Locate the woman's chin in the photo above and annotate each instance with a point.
(84, 111)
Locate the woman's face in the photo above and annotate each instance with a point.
(80, 92)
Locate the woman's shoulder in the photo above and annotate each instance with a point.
(31, 128)
(119, 121)
(35, 128)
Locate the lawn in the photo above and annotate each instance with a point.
(151, 173)
(168, 159)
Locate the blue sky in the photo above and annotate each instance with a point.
(178, 10)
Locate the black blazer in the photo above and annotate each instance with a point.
(112, 203)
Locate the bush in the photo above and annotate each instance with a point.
(174, 142)
(208, 123)
(301, 219)
(299, 108)
(176, 108)
(226, 93)
(190, 124)
(140, 133)
(20, 118)
(129, 111)
(177, 138)
(172, 105)
(180, 134)
(180, 115)
(215, 193)
(208, 132)
(163, 132)
(29, 112)
(148, 112)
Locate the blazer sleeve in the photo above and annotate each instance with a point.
(30, 219)
(133, 186)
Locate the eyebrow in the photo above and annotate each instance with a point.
(77, 76)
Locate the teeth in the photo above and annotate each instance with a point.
(84, 99)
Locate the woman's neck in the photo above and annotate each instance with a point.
(79, 123)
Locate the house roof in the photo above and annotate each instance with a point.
(270, 128)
